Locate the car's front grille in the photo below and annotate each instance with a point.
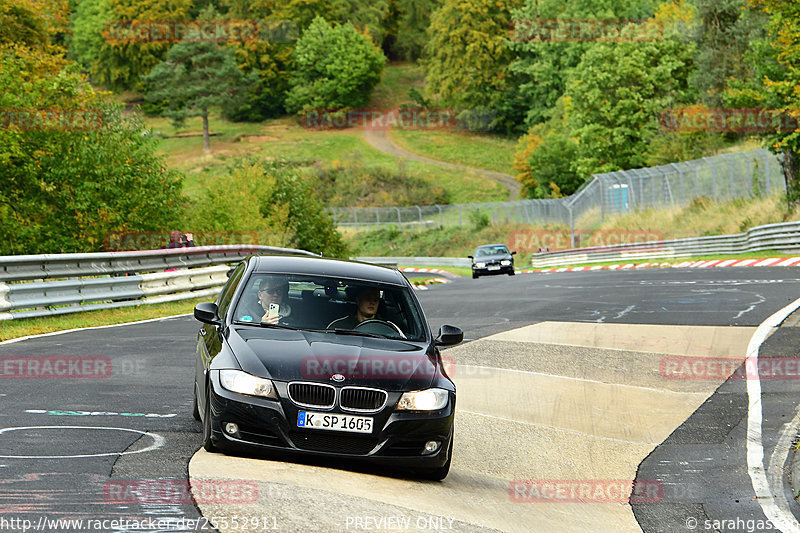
(333, 443)
(312, 395)
(362, 399)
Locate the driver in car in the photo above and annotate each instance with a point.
(367, 301)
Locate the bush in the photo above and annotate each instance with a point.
(64, 186)
(354, 185)
(336, 67)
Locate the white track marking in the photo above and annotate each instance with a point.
(774, 511)
(158, 442)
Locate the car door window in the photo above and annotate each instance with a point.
(224, 300)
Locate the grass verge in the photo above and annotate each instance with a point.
(489, 152)
(13, 329)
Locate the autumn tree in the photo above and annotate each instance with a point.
(778, 90)
(467, 52)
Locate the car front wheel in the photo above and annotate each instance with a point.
(208, 444)
(474, 275)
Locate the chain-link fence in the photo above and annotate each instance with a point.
(721, 178)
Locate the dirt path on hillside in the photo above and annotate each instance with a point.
(380, 140)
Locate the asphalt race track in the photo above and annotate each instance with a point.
(570, 386)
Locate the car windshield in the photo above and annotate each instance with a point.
(336, 305)
(491, 250)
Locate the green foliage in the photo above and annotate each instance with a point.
(618, 92)
(467, 53)
(479, 219)
(354, 185)
(537, 75)
(336, 67)
(413, 18)
(116, 59)
(69, 181)
(552, 168)
(311, 228)
(269, 198)
(724, 32)
(779, 87)
(194, 78)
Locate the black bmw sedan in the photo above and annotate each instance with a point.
(326, 357)
(492, 259)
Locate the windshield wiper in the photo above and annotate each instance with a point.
(264, 325)
(339, 331)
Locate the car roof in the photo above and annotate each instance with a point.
(491, 245)
(320, 266)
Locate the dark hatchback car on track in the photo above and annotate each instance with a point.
(326, 357)
(492, 259)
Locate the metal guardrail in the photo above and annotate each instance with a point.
(55, 284)
(780, 237)
(419, 261)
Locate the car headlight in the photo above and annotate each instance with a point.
(505, 262)
(480, 265)
(244, 383)
(423, 400)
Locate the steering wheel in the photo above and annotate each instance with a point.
(381, 327)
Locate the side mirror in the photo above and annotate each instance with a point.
(512, 253)
(449, 335)
(206, 312)
(470, 257)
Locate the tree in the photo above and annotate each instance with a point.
(409, 35)
(74, 169)
(117, 57)
(779, 88)
(336, 67)
(537, 75)
(194, 78)
(311, 228)
(617, 93)
(467, 53)
(724, 33)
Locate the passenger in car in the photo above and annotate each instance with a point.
(367, 302)
(272, 290)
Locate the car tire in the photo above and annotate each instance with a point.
(474, 275)
(195, 408)
(438, 474)
(511, 272)
(208, 444)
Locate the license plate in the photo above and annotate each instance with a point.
(494, 267)
(334, 422)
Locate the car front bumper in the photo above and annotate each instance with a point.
(398, 438)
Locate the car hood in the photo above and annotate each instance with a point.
(297, 355)
(487, 258)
